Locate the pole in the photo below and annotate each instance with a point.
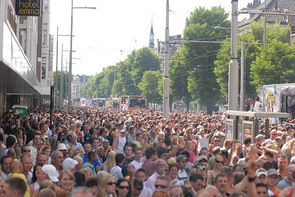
(70, 63)
(61, 79)
(51, 102)
(166, 67)
(233, 76)
(264, 33)
(242, 78)
(56, 70)
(66, 78)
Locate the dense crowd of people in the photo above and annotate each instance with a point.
(105, 152)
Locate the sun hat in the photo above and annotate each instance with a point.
(62, 146)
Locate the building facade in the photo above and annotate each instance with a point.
(78, 82)
(25, 56)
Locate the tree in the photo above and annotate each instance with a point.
(101, 85)
(57, 86)
(275, 64)
(145, 59)
(250, 36)
(178, 77)
(200, 57)
(123, 78)
(149, 86)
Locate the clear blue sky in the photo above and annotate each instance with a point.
(108, 34)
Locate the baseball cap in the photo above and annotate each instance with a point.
(69, 163)
(272, 171)
(269, 141)
(260, 171)
(122, 131)
(51, 172)
(62, 146)
(200, 158)
(181, 158)
(259, 137)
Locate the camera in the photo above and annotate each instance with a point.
(203, 168)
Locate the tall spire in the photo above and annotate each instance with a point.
(151, 41)
(186, 21)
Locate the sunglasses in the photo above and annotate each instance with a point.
(219, 161)
(111, 183)
(124, 187)
(161, 186)
(26, 150)
(138, 188)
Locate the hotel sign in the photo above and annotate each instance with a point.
(27, 7)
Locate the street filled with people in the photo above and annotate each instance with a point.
(106, 152)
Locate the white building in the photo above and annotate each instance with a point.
(78, 82)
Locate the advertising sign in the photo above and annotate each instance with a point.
(27, 7)
(248, 129)
(229, 128)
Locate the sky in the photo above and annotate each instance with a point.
(107, 35)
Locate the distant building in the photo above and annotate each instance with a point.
(26, 51)
(78, 82)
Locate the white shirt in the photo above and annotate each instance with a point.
(117, 172)
(203, 142)
(136, 164)
(182, 174)
(34, 153)
(121, 144)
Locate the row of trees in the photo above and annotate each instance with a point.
(199, 70)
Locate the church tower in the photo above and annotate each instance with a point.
(151, 41)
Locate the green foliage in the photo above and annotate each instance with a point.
(275, 64)
(178, 77)
(149, 85)
(101, 85)
(198, 58)
(250, 36)
(144, 60)
(57, 86)
(124, 78)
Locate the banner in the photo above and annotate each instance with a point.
(27, 7)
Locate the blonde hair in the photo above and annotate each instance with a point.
(84, 170)
(45, 184)
(69, 173)
(173, 183)
(110, 162)
(102, 181)
(44, 148)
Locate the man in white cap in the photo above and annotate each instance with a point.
(182, 161)
(62, 147)
(51, 172)
(261, 176)
(69, 164)
(272, 180)
(121, 141)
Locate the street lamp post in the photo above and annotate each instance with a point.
(61, 79)
(166, 68)
(233, 76)
(71, 54)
